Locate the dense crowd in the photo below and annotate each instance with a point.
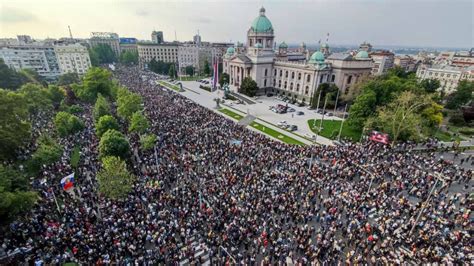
(252, 201)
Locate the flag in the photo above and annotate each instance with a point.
(379, 137)
(68, 182)
(214, 76)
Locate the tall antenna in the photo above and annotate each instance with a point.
(70, 32)
(175, 38)
(327, 38)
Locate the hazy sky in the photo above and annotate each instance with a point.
(434, 23)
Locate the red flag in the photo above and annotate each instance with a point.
(379, 137)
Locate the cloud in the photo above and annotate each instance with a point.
(15, 15)
(201, 20)
(142, 13)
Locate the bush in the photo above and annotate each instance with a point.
(128, 103)
(138, 123)
(75, 109)
(467, 131)
(206, 88)
(101, 107)
(48, 152)
(67, 123)
(113, 143)
(457, 119)
(115, 181)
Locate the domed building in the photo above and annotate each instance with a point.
(293, 72)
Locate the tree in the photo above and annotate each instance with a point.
(115, 181)
(147, 142)
(67, 123)
(401, 118)
(37, 98)
(103, 53)
(48, 152)
(189, 71)
(172, 72)
(129, 58)
(56, 95)
(15, 126)
(68, 79)
(105, 123)
(207, 68)
(249, 87)
(95, 60)
(223, 79)
(9, 78)
(31, 76)
(101, 107)
(113, 143)
(362, 109)
(138, 123)
(326, 89)
(462, 95)
(97, 80)
(127, 104)
(430, 85)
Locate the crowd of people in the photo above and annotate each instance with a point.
(251, 201)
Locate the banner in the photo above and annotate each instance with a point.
(68, 182)
(379, 137)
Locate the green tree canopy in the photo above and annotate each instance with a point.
(189, 70)
(207, 68)
(147, 142)
(326, 89)
(113, 143)
(101, 107)
(97, 80)
(103, 54)
(105, 123)
(129, 58)
(159, 67)
(37, 98)
(462, 95)
(128, 103)
(223, 79)
(68, 79)
(15, 126)
(56, 95)
(403, 117)
(67, 123)
(115, 181)
(138, 123)
(172, 72)
(249, 87)
(362, 109)
(430, 85)
(48, 152)
(9, 78)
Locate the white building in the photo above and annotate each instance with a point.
(290, 73)
(166, 52)
(72, 58)
(188, 55)
(109, 38)
(37, 56)
(383, 61)
(448, 76)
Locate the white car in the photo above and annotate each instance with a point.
(282, 123)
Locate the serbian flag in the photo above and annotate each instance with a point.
(68, 182)
(215, 72)
(379, 137)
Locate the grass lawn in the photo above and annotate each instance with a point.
(330, 129)
(275, 134)
(169, 85)
(231, 113)
(446, 136)
(192, 78)
(75, 157)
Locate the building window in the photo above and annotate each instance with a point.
(292, 75)
(274, 83)
(281, 72)
(349, 79)
(291, 86)
(266, 72)
(298, 87)
(321, 79)
(299, 76)
(306, 90)
(286, 74)
(333, 78)
(308, 78)
(279, 84)
(264, 82)
(284, 85)
(275, 72)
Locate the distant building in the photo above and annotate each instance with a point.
(188, 55)
(406, 62)
(197, 39)
(383, 61)
(157, 37)
(128, 44)
(448, 76)
(109, 38)
(37, 56)
(292, 73)
(166, 52)
(365, 46)
(72, 58)
(24, 39)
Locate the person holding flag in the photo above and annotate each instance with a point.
(67, 182)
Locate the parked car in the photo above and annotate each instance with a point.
(269, 95)
(282, 123)
(300, 104)
(290, 109)
(299, 113)
(329, 114)
(293, 128)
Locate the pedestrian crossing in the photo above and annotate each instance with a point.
(201, 254)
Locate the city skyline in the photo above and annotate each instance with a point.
(440, 23)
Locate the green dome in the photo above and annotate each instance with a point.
(262, 23)
(258, 45)
(317, 58)
(230, 50)
(239, 44)
(362, 55)
(283, 45)
(324, 45)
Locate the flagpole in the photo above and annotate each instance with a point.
(57, 205)
(342, 123)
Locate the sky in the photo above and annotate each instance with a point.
(416, 23)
